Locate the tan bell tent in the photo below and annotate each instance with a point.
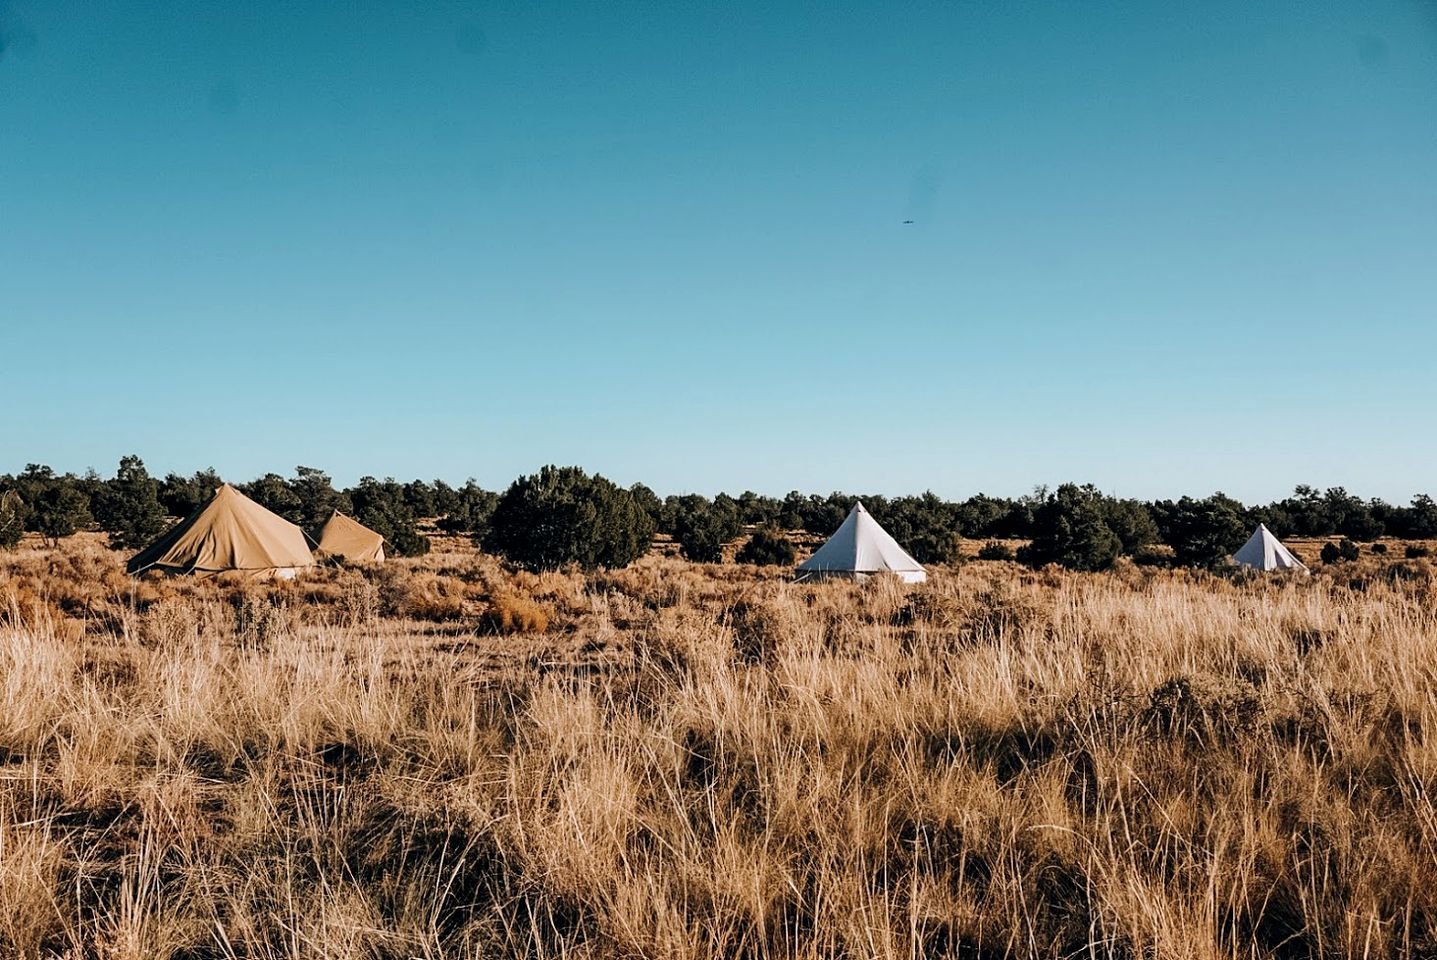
(230, 533)
(348, 539)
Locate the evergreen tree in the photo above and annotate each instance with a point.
(561, 516)
(274, 493)
(380, 506)
(768, 547)
(130, 509)
(1069, 529)
(702, 528)
(182, 496)
(316, 500)
(1422, 518)
(1205, 533)
(62, 510)
(12, 519)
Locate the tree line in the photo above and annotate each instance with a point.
(564, 515)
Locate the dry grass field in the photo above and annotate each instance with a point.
(446, 759)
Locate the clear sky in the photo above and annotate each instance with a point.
(1164, 247)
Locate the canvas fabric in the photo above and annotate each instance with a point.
(231, 532)
(1265, 552)
(350, 540)
(860, 547)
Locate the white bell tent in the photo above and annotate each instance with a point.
(1263, 551)
(858, 549)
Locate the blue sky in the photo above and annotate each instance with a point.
(1166, 248)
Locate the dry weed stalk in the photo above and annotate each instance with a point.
(450, 760)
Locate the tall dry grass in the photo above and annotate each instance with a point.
(690, 762)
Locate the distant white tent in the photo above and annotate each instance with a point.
(1263, 551)
(858, 549)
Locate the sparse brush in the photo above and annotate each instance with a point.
(509, 612)
(713, 762)
(421, 595)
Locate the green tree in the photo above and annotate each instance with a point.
(317, 499)
(62, 510)
(702, 527)
(130, 509)
(1346, 550)
(1132, 522)
(1422, 517)
(1070, 529)
(466, 510)
(182, 496)
(927, 526)
(768, 547)
(561, 516)
(381, 506)
(758, 509)
(274, 493)
(1205, 533)
(419, 497)
(12, 519)
(648, 501)
(1351, 516)
(982, 516)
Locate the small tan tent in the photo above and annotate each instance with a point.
(348, 539)
(231, 532)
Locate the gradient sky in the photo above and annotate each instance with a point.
(1166, 248)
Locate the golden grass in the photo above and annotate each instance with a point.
(695, 762)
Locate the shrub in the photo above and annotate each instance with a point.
(1069, 530)
(359, 600)
(381, 506)
(761, 627)
(260, 619)
(182, 496)
(768, 547)
(702, 528)
(561, 516)
(1132, 522)
(423, 596)
(12, 519)
(508, 612)
(934, 546)
(466, 510)
(60, 512)
(926, 525)
(1380, 549)
(1203, 710)
(1416, 551)
(130, 510)
(994, 550)
(1339, 552)
(1204, 533)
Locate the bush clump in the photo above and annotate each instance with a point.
(12, 520)
(509, 612)
(1070, 529)
(1416, 551)
(423, 596)
(562, 516)
(702, 526)
(1344, 550)
(1205, 533)
(995, 550)
(768, 547)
